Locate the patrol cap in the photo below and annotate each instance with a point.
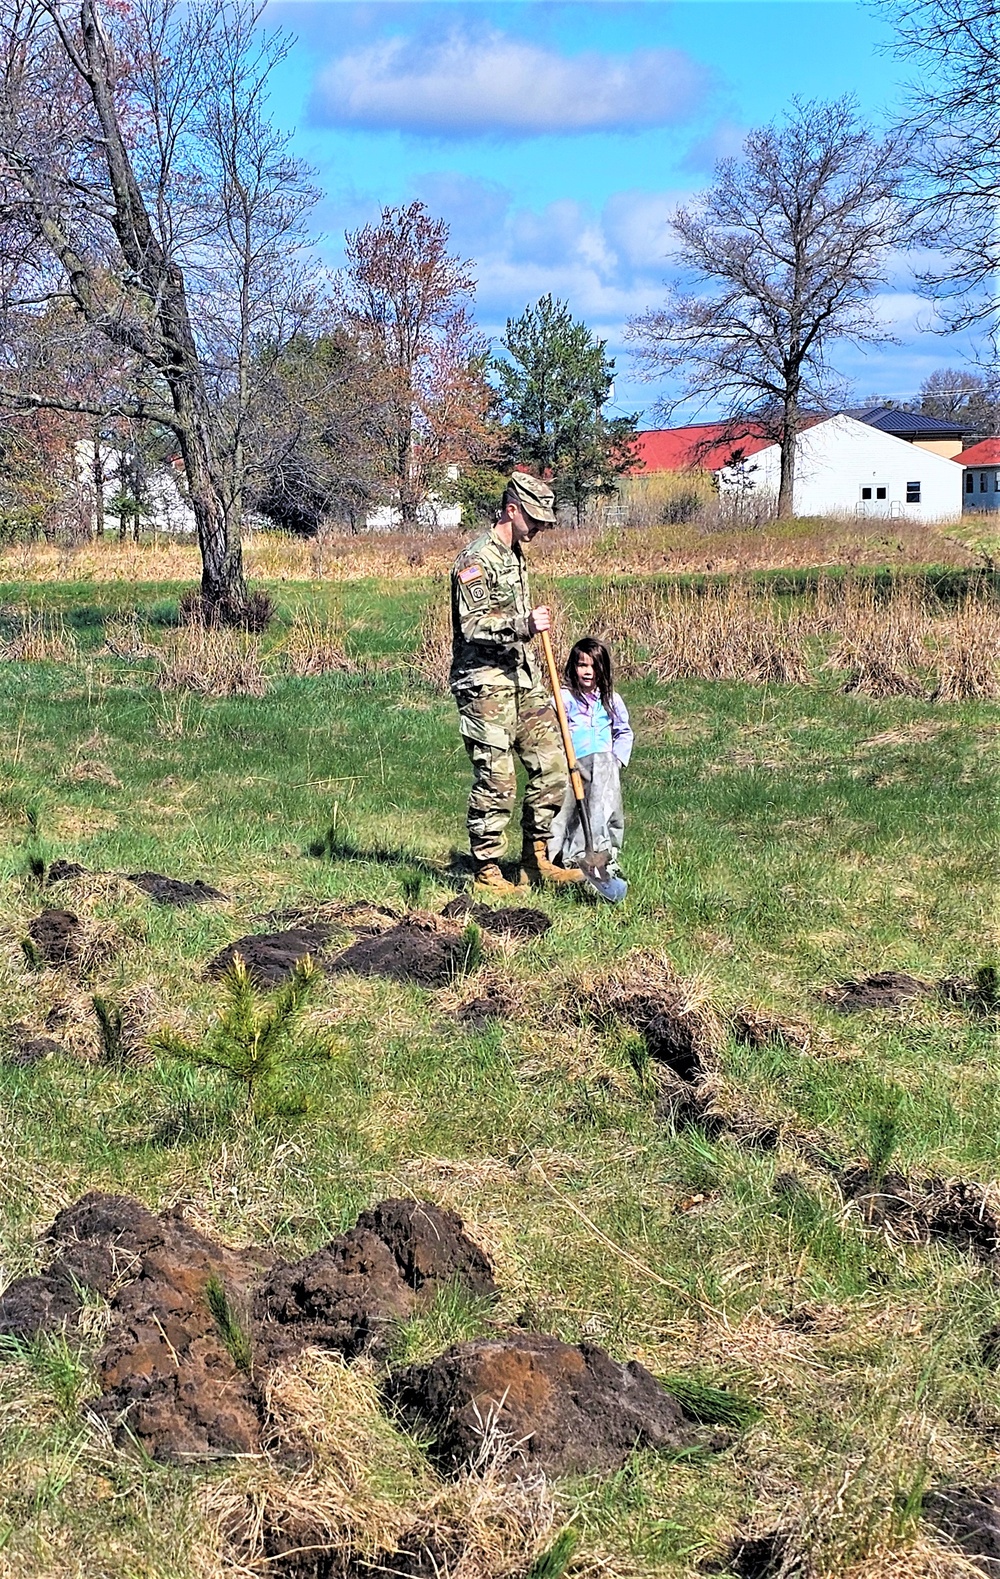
(534, 496)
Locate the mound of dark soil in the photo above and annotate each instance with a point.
(887, 989)
(564, 1408)
(56, 936)
(271, 957)
(969, 1516)
(347, 1295)
(413, 950)
(62, 871)
(171, 891)
(430, 1246)
(300, 1549)
(510, 922)
(25, 1050)
(477, 1013)
(168, 1378)
(951, 1211)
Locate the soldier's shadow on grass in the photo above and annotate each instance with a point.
(335, 845)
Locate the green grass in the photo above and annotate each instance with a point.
(777, 840)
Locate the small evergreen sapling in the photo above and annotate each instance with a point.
(253, 1046)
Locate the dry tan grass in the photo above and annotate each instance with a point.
(41, 639)
(723, 632)
(968, 659)
(316, 646)
(361, 1488)
(212, 662)
(882, 639)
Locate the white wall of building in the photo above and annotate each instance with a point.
(840, 460)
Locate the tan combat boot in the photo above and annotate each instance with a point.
(539, 869)
(490, 878)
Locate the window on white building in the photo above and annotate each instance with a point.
(881, 493)
(866, 493)
(913, 493)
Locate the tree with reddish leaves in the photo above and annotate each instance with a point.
(406, 299)
(141, 180)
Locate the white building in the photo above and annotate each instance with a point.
(981, 472)
(842, 467)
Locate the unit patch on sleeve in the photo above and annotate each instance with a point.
(470, 573)
(478, 593)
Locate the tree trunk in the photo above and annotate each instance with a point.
(98, 475)
(789, 438)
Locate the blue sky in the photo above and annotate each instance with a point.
(556, 139)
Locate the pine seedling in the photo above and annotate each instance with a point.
(37, 867)
(251, 1045)
(710, 1405)
(111, 1026)
(883, 1138)
(554, 1560)
(32, 954)
(231, 1330)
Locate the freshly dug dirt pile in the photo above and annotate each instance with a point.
(270, 957)
(951, 1211)
(56, 936)
(417, 949)
(510, 922)
(969, 1516)
(25, 1049)
(564, 1408)
(671, 1039)
(430, 1246)
(62, 871)
(887, 989)
(347, 1295)
(477, 1013)
(169, 1378)
(171, 891)
(301, 1549)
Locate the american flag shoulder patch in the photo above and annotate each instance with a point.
(470, 573)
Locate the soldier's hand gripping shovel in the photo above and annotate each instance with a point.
(593, 863)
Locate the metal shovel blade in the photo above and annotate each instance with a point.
(594, 866)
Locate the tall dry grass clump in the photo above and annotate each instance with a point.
(968, 659)
(431, 662)
(730, 632)
(211, 662)
(40, 639)
(883, 639)
(315, 646)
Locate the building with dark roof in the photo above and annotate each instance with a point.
(916, 427)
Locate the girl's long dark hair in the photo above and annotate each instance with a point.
(599, 655)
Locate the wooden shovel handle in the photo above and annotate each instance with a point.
(567, 739)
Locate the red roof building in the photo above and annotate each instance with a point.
(704, 447)
(985, 453)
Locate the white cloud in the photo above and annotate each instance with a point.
(492, 84)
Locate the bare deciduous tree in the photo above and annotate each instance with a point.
(142, 181)
(954, 129)
(782, 255)
(960, 395)
(406, 300)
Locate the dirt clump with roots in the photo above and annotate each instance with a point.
(512, 921)
(173, 891)
(57, 936)
(420, 948)
(950, 1211)
(271, 957)
(561, 1408)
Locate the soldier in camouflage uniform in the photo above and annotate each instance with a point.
(503, 707)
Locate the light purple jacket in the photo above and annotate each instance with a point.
(593, 730)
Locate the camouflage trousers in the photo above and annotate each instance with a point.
(498, 722)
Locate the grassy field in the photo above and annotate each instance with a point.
(780, 838)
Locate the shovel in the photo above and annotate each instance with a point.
(593, 863)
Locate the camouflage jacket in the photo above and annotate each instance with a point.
(490, 605)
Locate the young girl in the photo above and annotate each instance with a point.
(602, 740)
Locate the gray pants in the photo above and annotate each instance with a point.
(602, 792)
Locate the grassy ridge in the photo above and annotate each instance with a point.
(778, 839)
